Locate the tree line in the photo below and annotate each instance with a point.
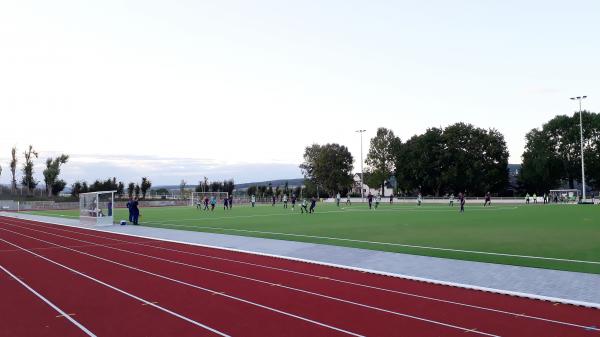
(552, 156)
(53, 185)
(265, 191)
(463, 158)
(138, 190)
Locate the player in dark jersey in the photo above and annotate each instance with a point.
(313, 204)
(370, 199)
(488, 199)
(461, 198)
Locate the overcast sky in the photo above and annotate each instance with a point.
(239, 88)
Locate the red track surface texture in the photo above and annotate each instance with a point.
(65, 281)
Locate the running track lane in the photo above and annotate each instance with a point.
(506, 324)
(389, 286)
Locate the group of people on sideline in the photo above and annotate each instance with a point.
(134, 210)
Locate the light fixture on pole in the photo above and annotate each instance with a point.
(362, 193)
(579, 99)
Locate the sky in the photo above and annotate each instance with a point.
(184, 89)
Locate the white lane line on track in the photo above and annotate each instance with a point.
(47, 301)
(512, 314)
(118, 290)
(267, 283)
(186, 284)
(380, 243)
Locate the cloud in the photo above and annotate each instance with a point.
(160, 170)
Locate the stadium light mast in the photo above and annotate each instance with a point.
(362, 192)
(579, 99)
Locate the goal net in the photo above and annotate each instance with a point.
(96, 208)
(197, 198)
(568, 196)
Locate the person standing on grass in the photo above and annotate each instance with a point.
(419, 199)
(461, 198)
(128, 205)
(135, 211)
(391, 198)
(206, 203)
(213, 202)
(527, 198)
(534, 198)
(451, 200)
(303, 206)
(293, 201)
(377, 200)
(253, 200)
(226, 203)
(273, 200)
(488, 199)
(313, 204)
(348, 202)
(230, 201)
(370, 200)
(337, 199)
(285, 201)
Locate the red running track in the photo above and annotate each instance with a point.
(66, 281)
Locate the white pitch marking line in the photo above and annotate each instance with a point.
(52, 305)
(113, 288)
(522, 315)
(277, 285)
(176, 281)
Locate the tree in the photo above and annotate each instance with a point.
(459, 158)
(58, 186)
(76, 189)
(421, 163)
(145, 186)
(328, 166)
(130, 190)
(381, 156)
(52, 172)
(28, 180)
(162, 191)
(137, 190)
(251, 190)
(228, 186)
(553, 153)
(120, 189)
(13, 169)
(182, 186)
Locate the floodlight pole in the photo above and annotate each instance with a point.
(362, 193)
(579, 99)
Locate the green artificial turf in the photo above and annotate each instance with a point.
(569, 232)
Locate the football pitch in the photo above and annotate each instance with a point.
(563, 237)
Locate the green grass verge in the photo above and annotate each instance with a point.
(570, 232)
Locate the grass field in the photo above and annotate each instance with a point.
(564, 237)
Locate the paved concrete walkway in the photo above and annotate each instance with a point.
(541, 282)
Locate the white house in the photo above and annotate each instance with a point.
(356, 188)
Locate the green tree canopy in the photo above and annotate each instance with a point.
(51, 173)
(383, 149)
(328, 166)
(552, 153)
(459, 158)
(28, 180)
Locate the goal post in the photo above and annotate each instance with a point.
(198, 197)
(97, 208)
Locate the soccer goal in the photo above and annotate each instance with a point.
(198, 197)
(96, 208)
(568, 196)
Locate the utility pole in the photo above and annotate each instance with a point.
(362, 192)
(579, 99)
